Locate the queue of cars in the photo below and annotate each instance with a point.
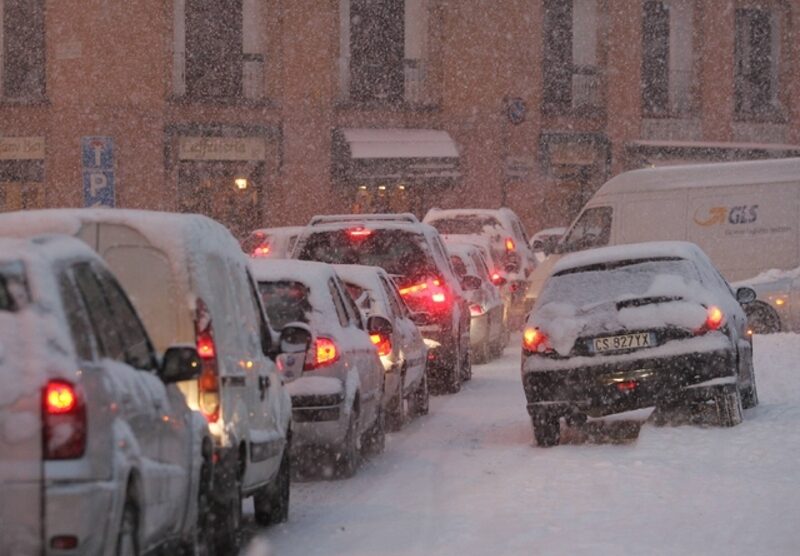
(168, 376)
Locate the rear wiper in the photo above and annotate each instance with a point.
(639, 301)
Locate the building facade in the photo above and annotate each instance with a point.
(265, 112)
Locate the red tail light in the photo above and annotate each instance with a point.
(496, 278)
(476, 310)
(430, 295)
(323, 353)
(534, 340)
(208, 383)
(262, 250)
(64, 421)
(714, 318)
(359, 233)
(510, 245)
(383, 343)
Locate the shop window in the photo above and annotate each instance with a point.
(592, 229)
(756, 63)
(22, 64)
(228, 192)
(218, 49)
(384, 51)
(21, 185)
(571, 75)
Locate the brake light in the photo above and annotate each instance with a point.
(438, 297)
(262, 250)
(476, 310)
(534, 340)
(359, 233)
(323, 353)
(510, 245)
(208, 383)
(496, 278)
(383, 343)
(714, 318)
(430, 295)
(63, 421)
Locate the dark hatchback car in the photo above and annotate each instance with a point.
(634, 326)
(415, 257)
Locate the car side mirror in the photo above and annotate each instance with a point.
(295, 338)
(180, 363)
(511, 267)
(471, 282)
(422, 319)
(377, 324)
(745, 295)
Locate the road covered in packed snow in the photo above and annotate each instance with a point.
(467, 480)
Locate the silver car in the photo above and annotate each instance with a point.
(337, 384)
(400, 344)
(99, 453)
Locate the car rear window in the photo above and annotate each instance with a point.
(602, 282)
(400, 253)
(285, 301)
(467, 224)
(14, 293)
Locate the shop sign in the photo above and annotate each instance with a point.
(519, 167)
(221, 148)
(21, 148)
(572, 154)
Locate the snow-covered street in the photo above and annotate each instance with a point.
(467, 480)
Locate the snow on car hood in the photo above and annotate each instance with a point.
(669, 300)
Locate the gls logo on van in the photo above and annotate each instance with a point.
(743, 214)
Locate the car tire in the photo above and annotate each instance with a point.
(750, 393)
(201, 542)
(227, 516)
(272, 502)
(452, 372)
(546, 429)
(128, 534)
(761, 318)
(728, 404)
(481, 353)
(420, 399)
(349, 455)
(374, 440)
(396, 415)
(466, 365)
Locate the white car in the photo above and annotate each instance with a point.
(634, 326)
(99, 453)
(487, 331)
(192, 285)
(337, 385)
(543, 242)
(271, 243)
(400, 344)
(508, 242)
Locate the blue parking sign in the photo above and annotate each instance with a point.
(97, 157)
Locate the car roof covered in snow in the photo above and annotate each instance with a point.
(361, 275)
(436, 213)
(279, 230)
(632, 251)
(704, 175)
(312, 274)
(50, 247)
(402, 225)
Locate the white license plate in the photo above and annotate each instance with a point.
(624, 341)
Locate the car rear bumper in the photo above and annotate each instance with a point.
(318, 420)
(606, 388)
(84, 510)
(479, 330)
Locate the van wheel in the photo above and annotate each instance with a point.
(202, 539)
(546, 429)
(452, 371)
(761, 318)
(396, 413)
(227, 516)
(466, 365)
(272, 501)
(128, 536)
(347, 459)
(750, 393)
(728, 402)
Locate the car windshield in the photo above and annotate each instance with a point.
(285, 301)
(468, 224)
(398, 252)
(13, 287)
(611, 281)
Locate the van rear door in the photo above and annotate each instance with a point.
(21, 468)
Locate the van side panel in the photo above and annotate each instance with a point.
(746, 229)
(652, 217)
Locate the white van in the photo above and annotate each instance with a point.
(744, 215)
(191, 283)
